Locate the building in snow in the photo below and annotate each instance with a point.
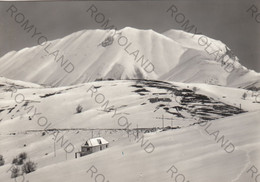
(93, 145)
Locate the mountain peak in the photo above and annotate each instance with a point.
(131, 53)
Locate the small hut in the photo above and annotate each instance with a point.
(93, 145)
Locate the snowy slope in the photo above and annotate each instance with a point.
(194, 153)
(186, 145)
(205, 63)
(134, 54)
(19, 84)
(142, 102)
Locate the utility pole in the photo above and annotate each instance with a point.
(137, 132)
(54, 148)
(162, 121)
(128, 134)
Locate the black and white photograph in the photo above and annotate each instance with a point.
(130, 91)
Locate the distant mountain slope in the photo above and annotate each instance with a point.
(142, 102)
(88, 55)
(7, 84)
(206, 63)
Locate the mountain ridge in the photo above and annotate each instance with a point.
(129, 53)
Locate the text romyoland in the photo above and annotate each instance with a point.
(255, 174)
(178, 176)
(97, 175)
(121, 40)
(42, 120)
(11, 169)
(227, 145)
(40, 38)
(122, 120)
(203, 40)
(255, 14)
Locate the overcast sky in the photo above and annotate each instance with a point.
(225, 20)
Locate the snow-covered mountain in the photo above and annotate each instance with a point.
(141, 101)
(190, 125)
(32, 115)
(88, 55)
(212, 61)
